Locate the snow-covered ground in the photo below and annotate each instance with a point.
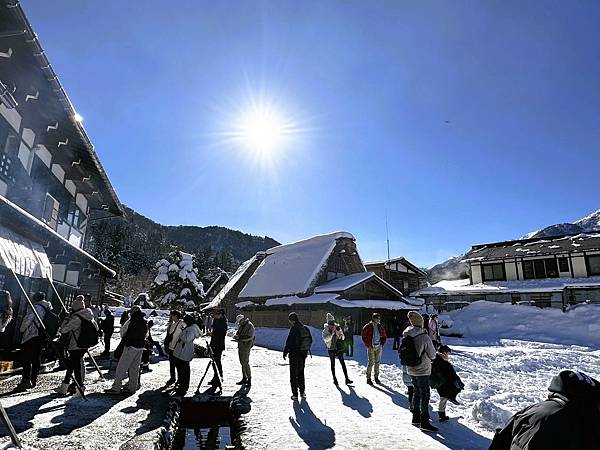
(501, 376)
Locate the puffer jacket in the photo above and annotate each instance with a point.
(184, 347)
(331, 337)
(72, 326)
(424, 347)
(30, 326)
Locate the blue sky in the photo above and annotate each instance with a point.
(465, 122)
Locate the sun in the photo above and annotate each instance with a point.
(262, 130)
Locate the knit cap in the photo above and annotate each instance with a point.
(415, 319)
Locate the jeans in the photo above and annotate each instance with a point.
(443, 403)
(421, 395)
(30, 358)
(128, 363)
(339, 355)
(374, 356)
(107, 337)
(183, 375)
(171, 364)
(217, 354)
(297, 373)
(244, 355)
(75, 366)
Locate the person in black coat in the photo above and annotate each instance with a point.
(217, 343)
(567, 420)
(445, 380)
(297, 346)
(108, 328)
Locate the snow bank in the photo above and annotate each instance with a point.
(483, 320)
(489, 415)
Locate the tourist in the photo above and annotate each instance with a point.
(417, 342)
(333, 336)
(445, 380)
(567, 419)
(245, 338)
(426, 322)
(133, 335)
(174, 328)
(434, 330)
(184, 352)
(374, 337)
(297, 346)
(6, 310)
(108, 328)
(407, 380)
(217, 344)
(73, 328)
(349, 336)
(32, 341)
(153, 342)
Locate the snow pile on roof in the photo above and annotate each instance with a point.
(216, 302)
(332, 299)
(344, 283)
(292, 268)
(373, 304)
(580, 325)
(506, 287)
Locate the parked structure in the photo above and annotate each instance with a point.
(400, 273)
(51, 181)
(311, 277)
(557, 271)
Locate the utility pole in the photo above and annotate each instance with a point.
(387, 233)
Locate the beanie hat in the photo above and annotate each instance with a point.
(78, 303)
(415, 319)
(330, 318)
(293, 317)
(239, 318)
(576, 385)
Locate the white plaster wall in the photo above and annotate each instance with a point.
(476, 274)
(511, 270)
(579, 269)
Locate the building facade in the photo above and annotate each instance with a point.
(400, 273)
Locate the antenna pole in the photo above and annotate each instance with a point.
(387, 233)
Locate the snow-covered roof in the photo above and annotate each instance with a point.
(216, 302)
(446, 287)
(292, 268)
(345, 283)
(332, 299)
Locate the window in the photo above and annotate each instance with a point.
(593, 264)
(542, 300)
(540, 268)
(51, 208)
(493, 272)
(563, 264)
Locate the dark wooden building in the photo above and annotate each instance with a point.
(400, 273)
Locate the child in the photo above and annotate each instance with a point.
(445, 380)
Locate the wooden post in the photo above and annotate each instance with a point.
(9, 426)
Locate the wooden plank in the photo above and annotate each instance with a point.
(9, 426)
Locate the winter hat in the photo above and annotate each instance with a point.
(293, 317)
(330, 319)
(444, 349)
(239, 318)
(135, 308)
(78, 303)
(576, 385)
(415, 319)
(376, 316)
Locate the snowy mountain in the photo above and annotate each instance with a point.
(453, 269)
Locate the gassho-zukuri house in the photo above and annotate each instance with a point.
(311, 277)
(544, 272)
(51, 180)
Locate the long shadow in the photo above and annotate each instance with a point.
(23, 413)
(452, 434)
(352, 400)
(311, 429)
(156, 403)
(78, 413)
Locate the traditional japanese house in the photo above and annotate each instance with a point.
(311, 277)
(51, 180)
(557, 271)
(400, 273)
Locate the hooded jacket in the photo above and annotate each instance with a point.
(184, 347)
(424, 347)
(72, 326)
(30, 326)
(567, 420)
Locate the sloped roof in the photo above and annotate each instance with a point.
(216, 302)
(345, 283)
(292, 268)
(399, 259)
(331, 299)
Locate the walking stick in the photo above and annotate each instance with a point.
(9, 426)
(65, 310)
(50, 341)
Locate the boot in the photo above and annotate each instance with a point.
(416, 417)
(170, 381)
(241, 382)
(335, 381)
(442, 415)
(349, 381)
(369, 382)
(23, 386)
(62, 389)
(426, 425)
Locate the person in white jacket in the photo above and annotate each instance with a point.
(333, 336)
(174, 328)
(184, 352)
(33, 341)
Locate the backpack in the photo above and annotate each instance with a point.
(305, 340)
(88, 336)
(408, 352)
(51, 322)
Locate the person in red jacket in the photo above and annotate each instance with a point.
(374, 337)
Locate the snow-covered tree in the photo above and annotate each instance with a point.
(177, 283)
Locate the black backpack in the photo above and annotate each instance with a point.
(51, 323)
(89, 336)
(305, 340)
(408, 352)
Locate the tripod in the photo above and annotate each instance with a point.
(219, 388)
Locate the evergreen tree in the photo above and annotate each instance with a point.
(177, 283)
